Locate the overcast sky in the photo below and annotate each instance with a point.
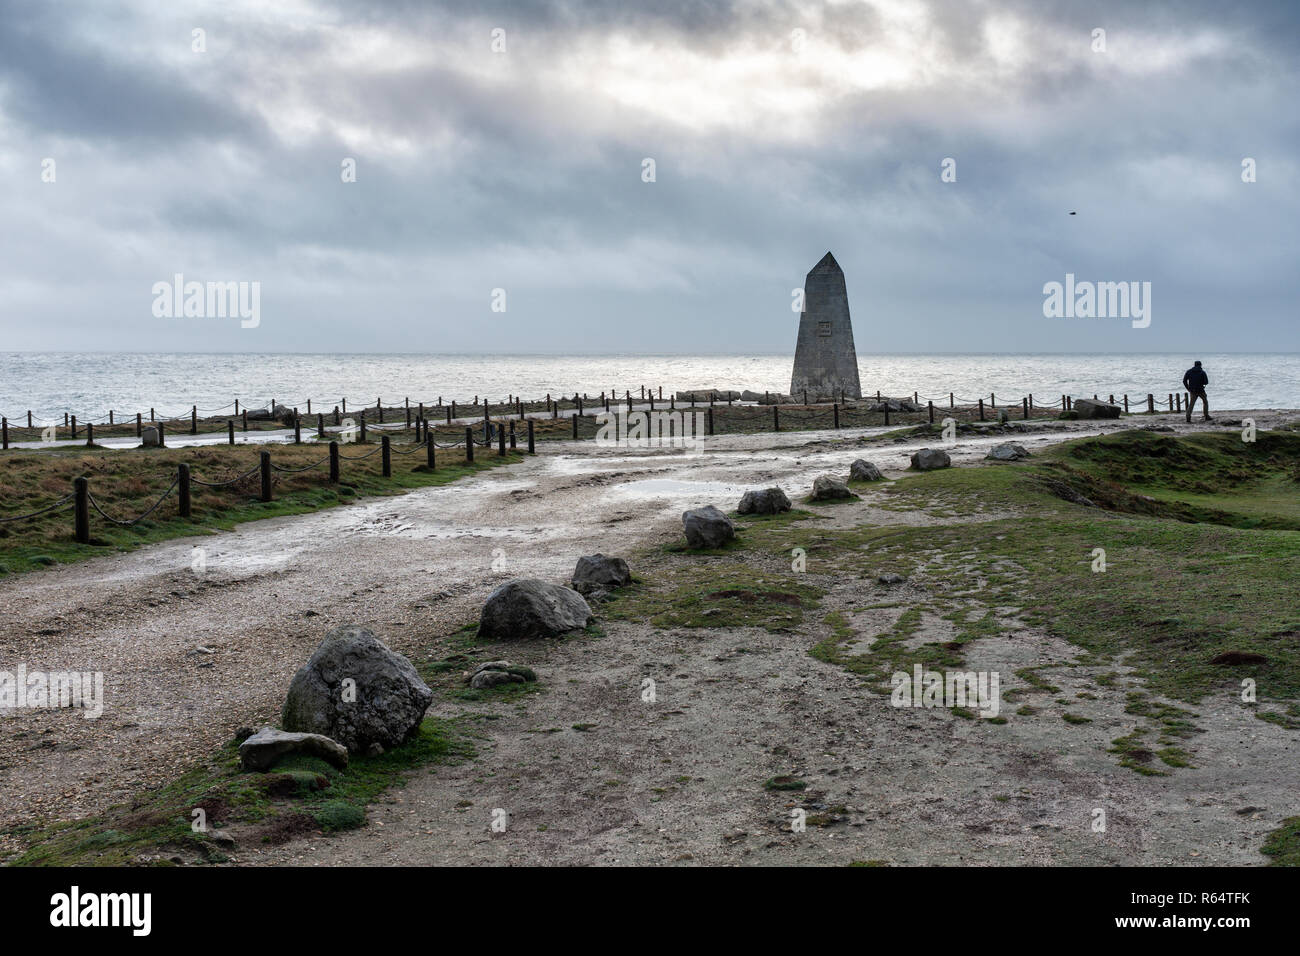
(523, 170)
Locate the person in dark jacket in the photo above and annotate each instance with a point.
(1195, 380)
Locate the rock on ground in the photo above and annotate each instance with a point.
(928, 459)
(149, 437)
(702, 395)
(495, 673)
(767, 501)
(707, 527)
(830, 488)
(265, 748)
(381, 707)
(863, 470)
(527, 608)
(596, 572)
(1007, 451)
(1087, 408)
(894, 405)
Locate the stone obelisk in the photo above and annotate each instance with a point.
(825, 362)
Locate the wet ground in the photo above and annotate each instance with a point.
(189, 657)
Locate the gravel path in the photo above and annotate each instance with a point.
(187, 658)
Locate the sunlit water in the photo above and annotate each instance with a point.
(89, 384)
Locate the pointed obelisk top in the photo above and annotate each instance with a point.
(827, 264)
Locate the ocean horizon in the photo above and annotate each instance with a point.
(89, 384)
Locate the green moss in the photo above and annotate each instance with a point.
(1283, 844)
(339, 815)
(297, 789)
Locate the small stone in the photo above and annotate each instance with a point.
(707, 527)
(767, 501)
(830, 488)
(929, 459)
(863, 470)
(386, 698)
(1088, 408)
(597, 572)
(1008, 451)
(262, 750)
(149, 437)
(493, 678)
(892, 579)
(528, 608)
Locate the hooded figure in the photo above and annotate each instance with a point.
(1195, 380)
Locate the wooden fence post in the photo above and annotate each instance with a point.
(836, 414)
(320, 427)
(710, 419)
(74, 427)
(981, 409)
(81, 509)
(1025, 404)
(532, 447)
(1151, 403)
(90, 434)
(183, 489)
(1125, 403)
(501, 440)
(162, 437)
(230, 431)
(469, 443)
(429, 453)
(245, 419)
(361, 418)
(4, 431)
(334, 462)
(297, 428)
(776, 419)
(575, 427)
(194, 419)
(513, 442)
(266, 475)
(931, 406)
(386, 455)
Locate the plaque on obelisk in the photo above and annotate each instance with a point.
(825, 362)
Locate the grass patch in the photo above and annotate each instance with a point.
(1283, 844)
(128, 482)
(300, 795)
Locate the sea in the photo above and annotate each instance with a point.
(89, 384)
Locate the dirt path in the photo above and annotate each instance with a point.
(188, 658)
